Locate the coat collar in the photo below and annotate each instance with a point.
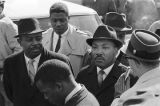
(71, 37)
(80, 95)
(114, 71)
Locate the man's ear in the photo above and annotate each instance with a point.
(19, 40)
(59, 86)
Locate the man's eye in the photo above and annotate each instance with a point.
(38, 38)
(62, 20)
(29, 39)
(94, 47)
(105, 47)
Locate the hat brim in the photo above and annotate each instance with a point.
(30, 33)
(118, 43)
(125, 29)
(128, 53)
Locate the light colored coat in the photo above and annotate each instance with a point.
(8, 44)
(146, 89)
(74, 46)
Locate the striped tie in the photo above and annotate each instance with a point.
(31, 69)
(100, 77)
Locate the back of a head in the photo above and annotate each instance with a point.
(52, 71)
(145, 46)
(59, 7)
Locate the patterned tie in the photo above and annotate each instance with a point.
(58, 44)
(31, 70)
(100, 77)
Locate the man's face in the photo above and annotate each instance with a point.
(59, 22)
(104, 52)
(31, 44)
(121, 36)
(50, 92)
(135, 66)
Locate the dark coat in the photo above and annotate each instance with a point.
(17, 83)
(82, 98)
(105, 93)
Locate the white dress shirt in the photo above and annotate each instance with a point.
(56, 37)
(35, 63)
(107, 71)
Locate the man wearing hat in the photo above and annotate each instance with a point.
(100, 77)
(143, 53)
(118, 22)
(56, 81)
(20, 68)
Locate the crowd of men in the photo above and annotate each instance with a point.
(63, 66)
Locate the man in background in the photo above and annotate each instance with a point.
(65, 38)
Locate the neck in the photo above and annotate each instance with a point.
(145, 69)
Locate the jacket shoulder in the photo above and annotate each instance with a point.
(54, 55)
(14, 56)
(84, 70)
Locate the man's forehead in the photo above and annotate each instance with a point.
(32, 35)
(104, 42)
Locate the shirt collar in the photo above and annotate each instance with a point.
(36, 59)
(106, 70)
(74, 91)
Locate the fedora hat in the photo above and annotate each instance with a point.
(28, 26)
(105, 32)
(144, 45)
(117, 21)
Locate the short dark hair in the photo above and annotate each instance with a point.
(59, 7)
(52, 71)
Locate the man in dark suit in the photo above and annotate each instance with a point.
(20, 68)
(100, 77)
(55, 80)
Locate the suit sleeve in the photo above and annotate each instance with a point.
(7, 81)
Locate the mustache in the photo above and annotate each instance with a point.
(99, 56)
(36, 46)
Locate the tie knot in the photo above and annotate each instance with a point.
(60, 36)
(31, 61)
(101, 72)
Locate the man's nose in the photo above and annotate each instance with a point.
(58, 23)
(99, 51)
(35, 41)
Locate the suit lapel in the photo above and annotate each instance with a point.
(24, 77)
(92, 75)
(70, 42)
(43, 57)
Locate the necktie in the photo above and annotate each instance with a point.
(51, 47)
(100, 77)
(31, 70)
(58, 44)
